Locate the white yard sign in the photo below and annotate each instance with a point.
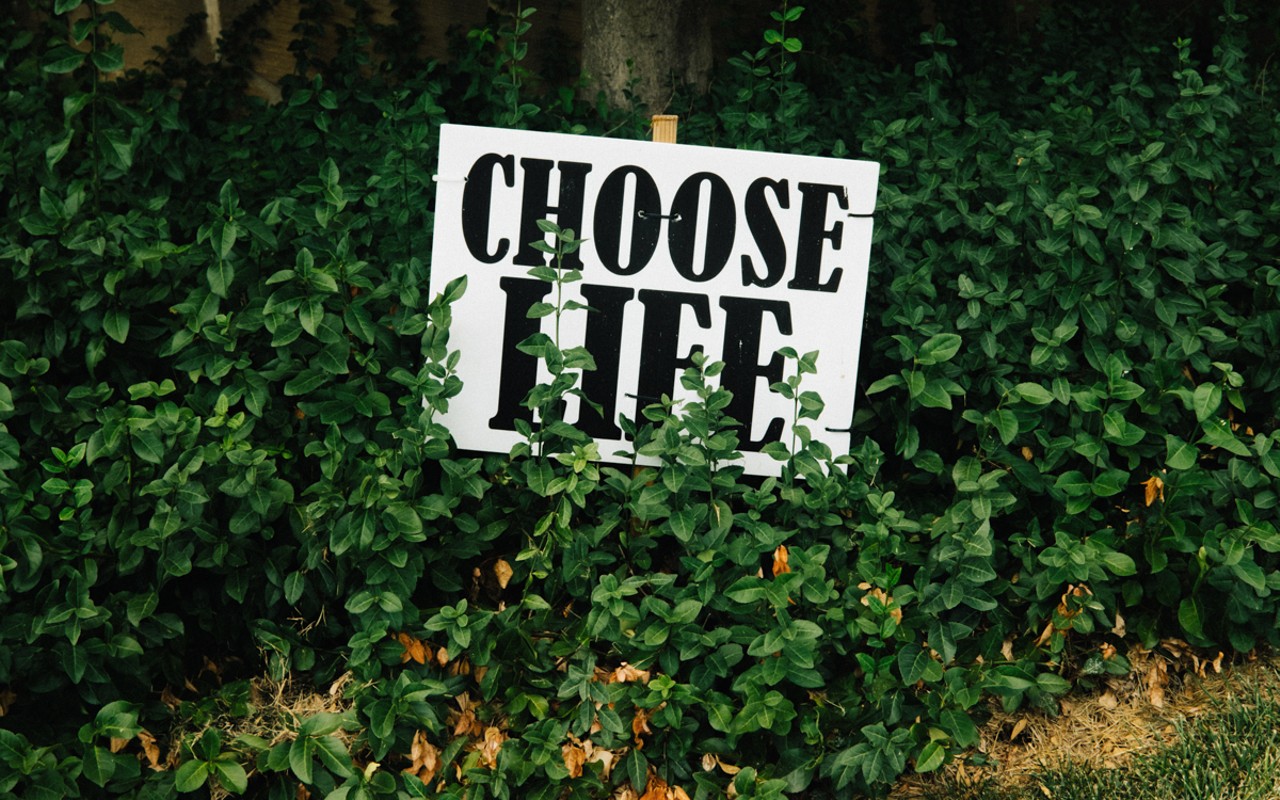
(733, 252)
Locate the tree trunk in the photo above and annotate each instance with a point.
(647, 46)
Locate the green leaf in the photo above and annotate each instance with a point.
(117, 720)
(99, 765)
(720, 716)
(1034, 393)
(116, 148)
(934, 395)
(220, 274)
(63, 6)
(191, 776)
(915, 665)
(115, 323)
(110, 59)
(1119, 564)
(333, 754)
(1109, 483)
(230, 775)
(1189, 617)
(146, 444)
(63, 60)
(1206, 399)
(300, 758)
(845, 767)
(1006, 424)
(1180, 454)
(931, 757)
(1218, 433)
(939, 348)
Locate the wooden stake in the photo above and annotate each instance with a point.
(664, 127)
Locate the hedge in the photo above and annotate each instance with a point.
(239, 553)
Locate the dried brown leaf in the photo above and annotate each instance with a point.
(414, 649)
(150, 749)
(601, 756)
(503, 572)
(574, 758)
(1154, 490)
(781, 560)
(640, 725)
(628, 674)
(424, 758)
(493, 739)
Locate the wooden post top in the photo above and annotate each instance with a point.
(664, 127)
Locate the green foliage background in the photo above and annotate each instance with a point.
(217, 471)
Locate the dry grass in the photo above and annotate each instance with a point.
(1136, 715)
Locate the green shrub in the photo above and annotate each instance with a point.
(222, 491)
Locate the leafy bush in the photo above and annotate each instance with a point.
(238, 551)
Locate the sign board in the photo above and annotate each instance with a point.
(737, 253)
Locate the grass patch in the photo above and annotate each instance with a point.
(1219, 739)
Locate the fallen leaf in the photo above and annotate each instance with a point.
(1108, 700)
(117, 744)
(170, 699)
(601, 756)
(424, 758)
(1027, 454)
(414, 649)
(493, 739)
(1154, 490)
(503, 571)
(729, 769)
(1119, 628)
(1045, 635)
(655, 788)
(150, 750)
(640, 725)
(627, 674)
(1018, 728)
(574, 757)
(781, 559)
(335, 688)
(709, 762)
(442, 656)
(1006, 649)
(1156, 678)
